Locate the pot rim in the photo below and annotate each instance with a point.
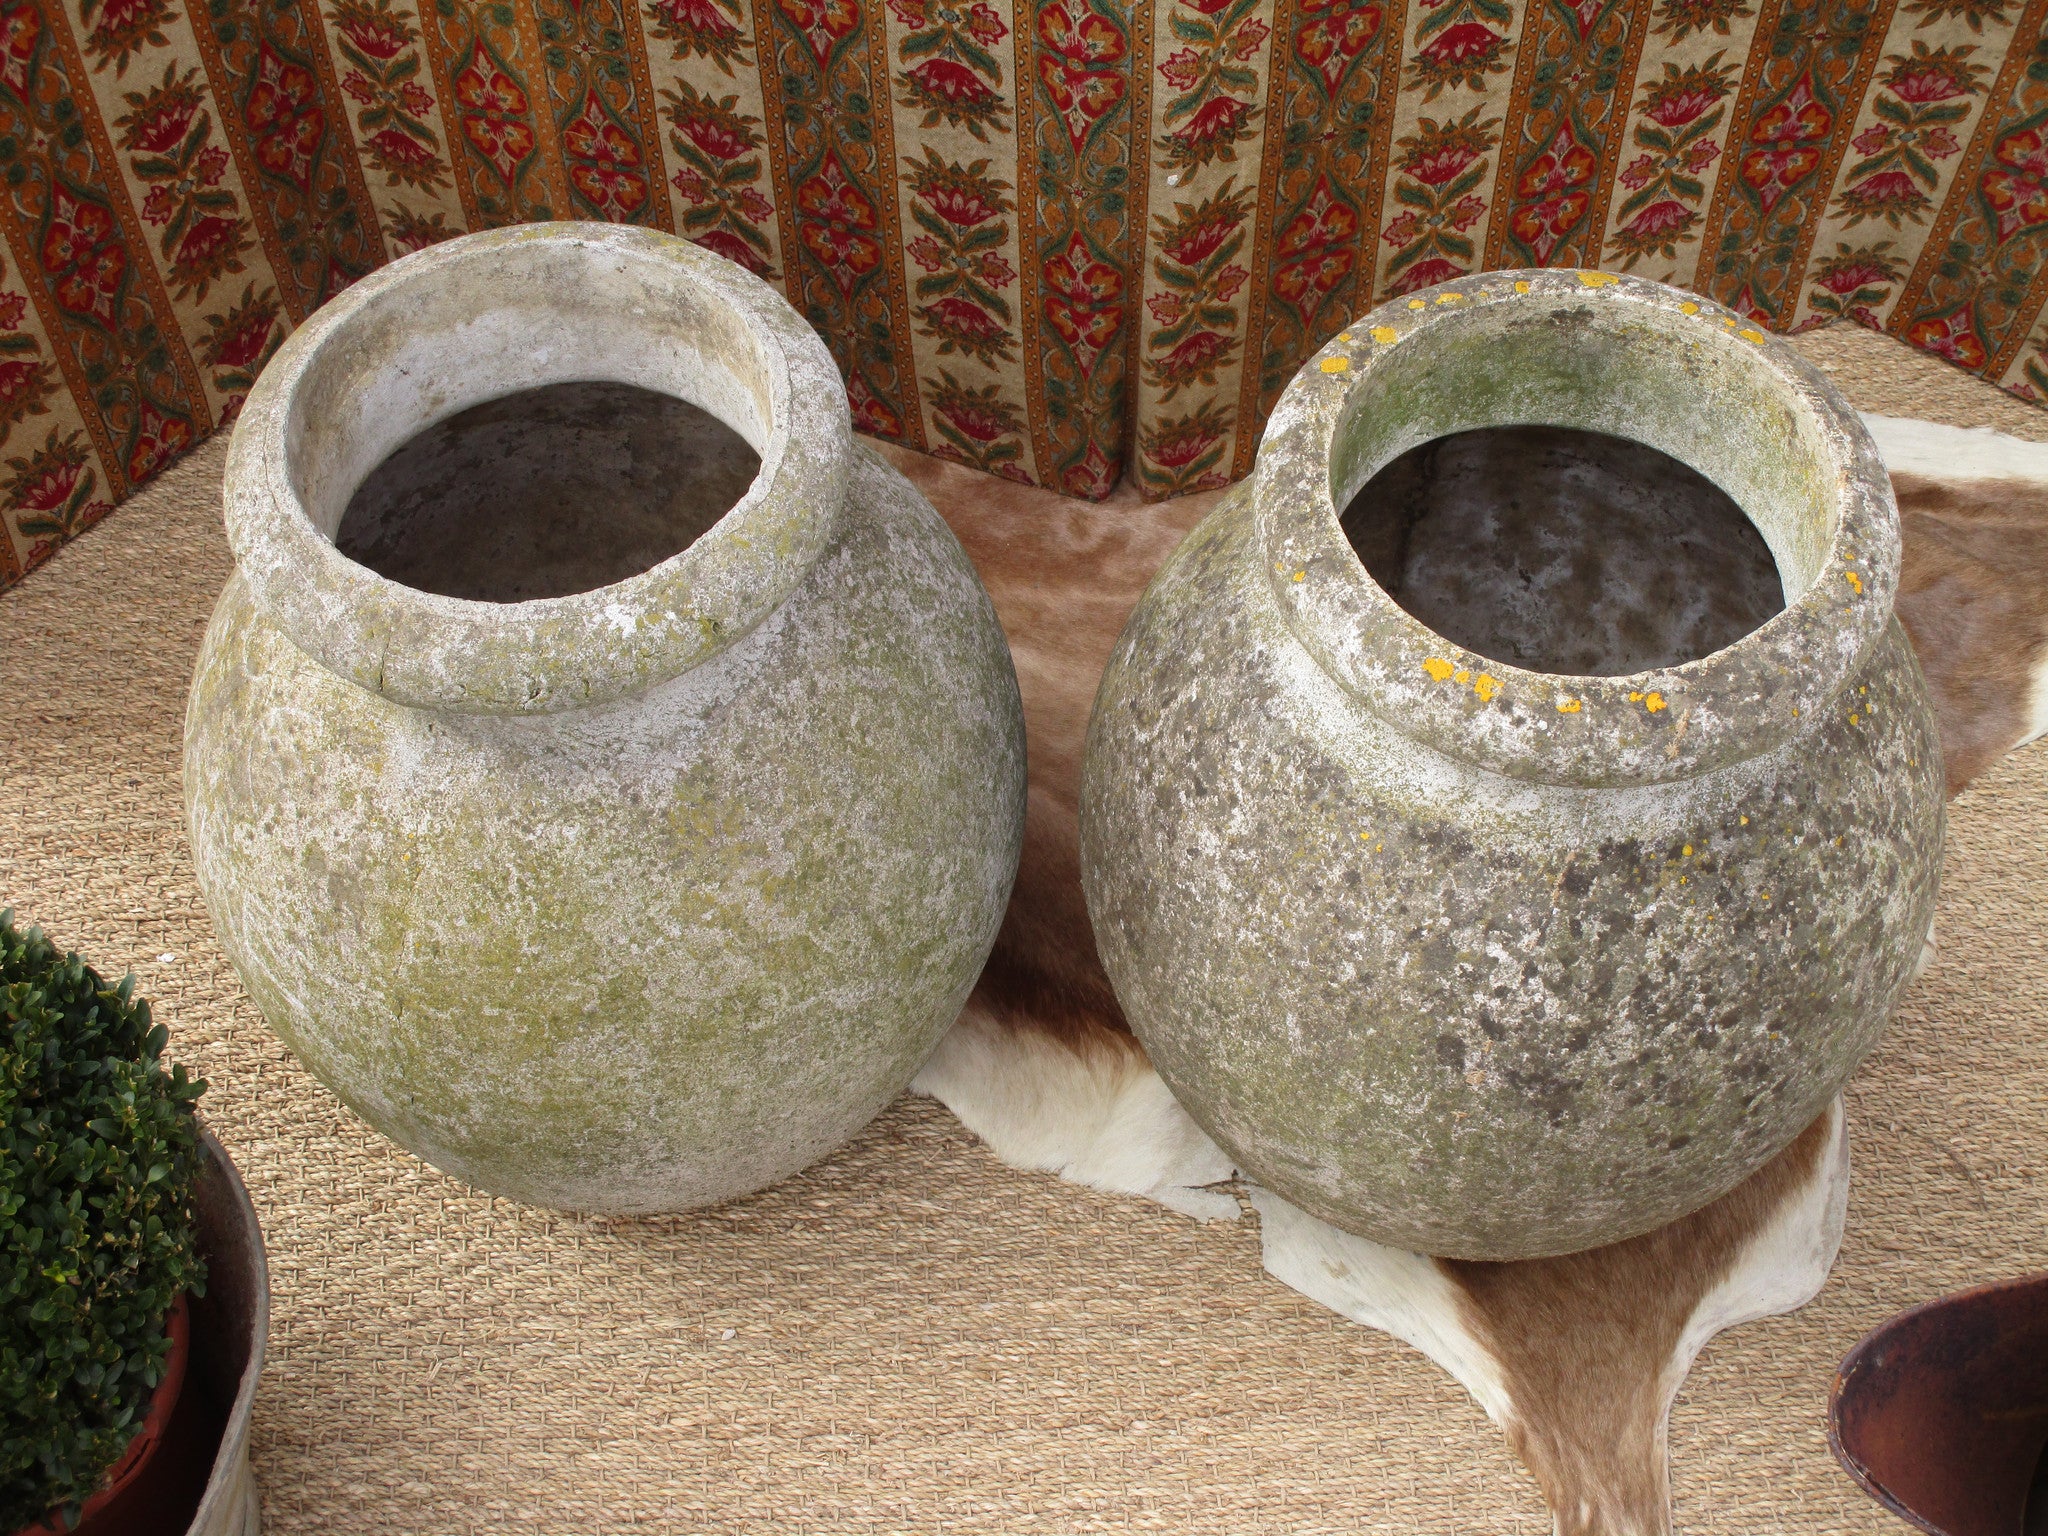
(1667, 724)
(545, 655)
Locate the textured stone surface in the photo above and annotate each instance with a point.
(633, 899)
(1487, 962)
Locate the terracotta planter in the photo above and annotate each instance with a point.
(1497, 960)
(1942, 1412)
(627, 899)
(186, 1473)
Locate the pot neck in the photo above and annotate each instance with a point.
(498, 313)
(1613, 355)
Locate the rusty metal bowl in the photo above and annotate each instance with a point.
(1942, 1412)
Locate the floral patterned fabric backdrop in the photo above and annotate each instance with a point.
(1054, 239)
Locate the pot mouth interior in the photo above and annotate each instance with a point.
(1563, 551)
(511, 376)
(551, 491)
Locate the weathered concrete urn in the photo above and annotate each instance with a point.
(1540, 936)
(627, 899)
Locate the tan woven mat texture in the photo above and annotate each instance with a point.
(911, 1337)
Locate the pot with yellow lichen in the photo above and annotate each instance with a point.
(1510, 817)
(605, 775)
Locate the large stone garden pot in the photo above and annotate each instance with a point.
(1497, 960)
(628, 899)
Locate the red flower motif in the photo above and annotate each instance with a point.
(822, 22)
(964, 321)
(1245, 40)
(1702, 155)
(126, 19)
(1426, 273)
(1195, 244)
(82, 250)
(53, 487)
(985, 26)
(753, 205)
(395, 147)
(243, 342)
(927, 253)
(161, 439)
(1178, 448)
(1094, 40)
(716, 133)
(1094, 477)
(871, 413)
(1888, 192)
(1845, 279)
(1083, 301)
(697, 18)
(982, 423)
(1207, 7)
(1951, 336)
(12, 307)
(1658, 222)
(1166, 306)
(161, 127)
(1182, 69)
(20, 26)
(206, 239)
(284, 117)
(1437, 166)
(1327, 43)
(493, 112)
(1939, 143)
(1402, 229)
(603, 162)
(952, 83)
(1682, 105)
(833, 220)
(1220, 120)
(729, 245)
(1465, 43)
(1196, 355)
(1871, 139)
(910, 13)
(962, 204)
(380, 36)
(2015, 186)
(20, 383)
(1925, 80)
(1638, 171)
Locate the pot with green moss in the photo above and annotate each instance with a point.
(1509, 818)
(132, 1291)
(608, 842)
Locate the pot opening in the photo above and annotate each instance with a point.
(547, 492)
(1563, 551)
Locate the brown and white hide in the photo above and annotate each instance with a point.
(1576, 1358)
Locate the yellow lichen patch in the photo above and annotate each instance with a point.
(1347, 338)
(1688, 308)
(1749, 335)
(1569, 706)
(1462, 675)
(1852, 720)
(1438, 668)
(1763, 895)
(1334, 364)
(1417, 304)
(1299, 576)
(1450, 298)
(1598, 279)
(1385, 335)
(1486, 687)
(1522, 287)
(1686, 851)
(1728, 321)
(1745, 821)
(1855, 582)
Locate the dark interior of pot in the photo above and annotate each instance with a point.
(1564, 551)
(547, 492)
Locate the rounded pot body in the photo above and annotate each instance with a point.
(1494, 963)
(631, 900)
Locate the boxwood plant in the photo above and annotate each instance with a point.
(98, 1150)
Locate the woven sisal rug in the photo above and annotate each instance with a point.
(910, 1336)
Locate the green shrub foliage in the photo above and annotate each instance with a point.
(98, 1151)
